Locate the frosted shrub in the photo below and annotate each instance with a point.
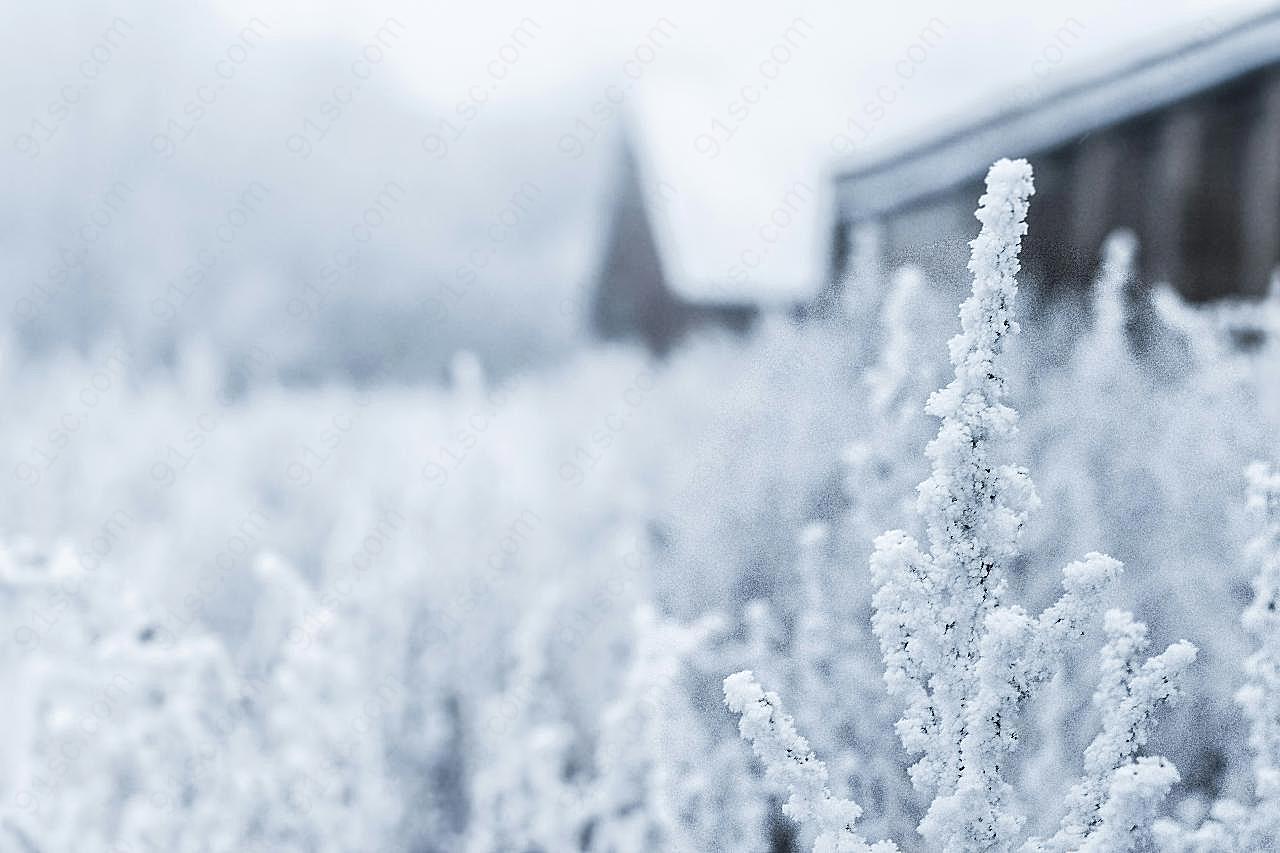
(655, 780)
(170, 720)
(837, 680)
(322, 708)
(1237, 827)
(790, 762)
(962, 660)
(648, 787)
(1091, 423)
(1113, 804)
(522, 797)
(831, 668)
(1107, 343)
(1221, 408)
(906, 370)
(839, 699)
(883, 463)
(125, 736)
(1092, 431)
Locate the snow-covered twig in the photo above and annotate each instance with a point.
(1113, 785)
(789, 761)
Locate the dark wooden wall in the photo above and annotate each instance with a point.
(1198, 182)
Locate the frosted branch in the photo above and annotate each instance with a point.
(789, 761)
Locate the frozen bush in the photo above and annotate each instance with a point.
(642, 796)
(1111, 808)
(522, 796)
(831, 668)
(789, 761)
(1131, 444)
(964, 661)
(1233, 826)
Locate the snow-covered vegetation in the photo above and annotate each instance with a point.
(499, 615)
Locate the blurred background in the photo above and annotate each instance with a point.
(348, 186)
(403, 403)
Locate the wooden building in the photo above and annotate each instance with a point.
(632, 298)
(1182, 147)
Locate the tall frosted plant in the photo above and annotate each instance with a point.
(961, 659)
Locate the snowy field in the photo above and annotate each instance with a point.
(497, 616)
(330, 524)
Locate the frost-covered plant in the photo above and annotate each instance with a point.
(1107, 343)
(951, 649)
(822, 653)
(1233, 826)
(838, 697)
(831, 669)
(1113, 804)
(1096, 466)
(963, 660)
(638, 799)
(883, 462)
(1100, 414)
(322, 708)
(133, 737)
(904, 372)
(522, 797)
(167, 721)
(1215, 407)
(790, 762)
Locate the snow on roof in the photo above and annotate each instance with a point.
(889, 177)
(738, 219)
